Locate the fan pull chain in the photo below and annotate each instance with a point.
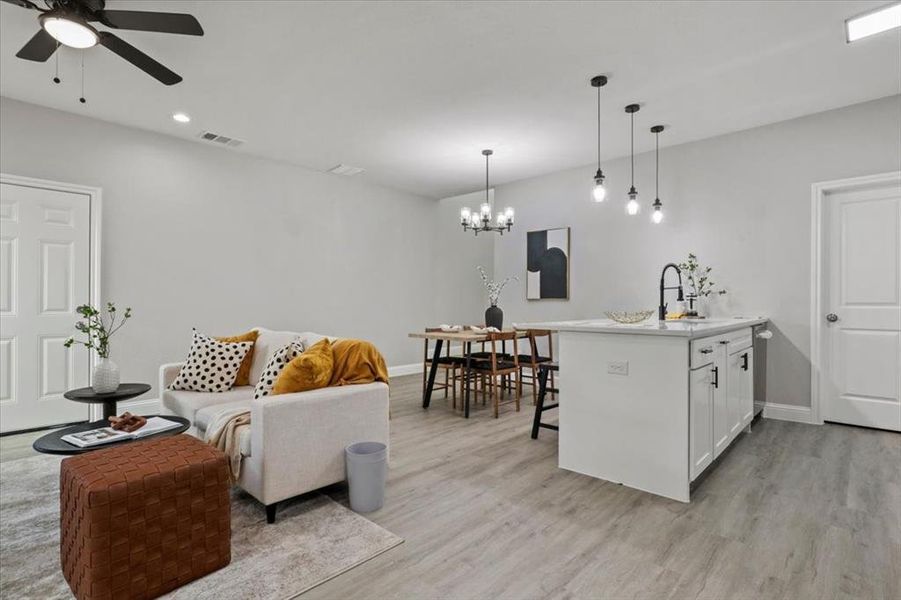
(82, 100)
(56, 78)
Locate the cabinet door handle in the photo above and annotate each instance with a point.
(744, 361)
(707, 350)
(716, 377)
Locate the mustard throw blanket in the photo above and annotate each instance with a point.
(357, 362)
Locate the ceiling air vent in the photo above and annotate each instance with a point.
(346, 170)
(216, 138)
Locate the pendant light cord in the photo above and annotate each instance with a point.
(599, 128)
(632, 118)
(487, 200)
(657, 165)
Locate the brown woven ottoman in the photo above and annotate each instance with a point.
(144, 518)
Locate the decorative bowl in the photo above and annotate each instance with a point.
(629, 317)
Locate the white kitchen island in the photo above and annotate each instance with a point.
(652, 405)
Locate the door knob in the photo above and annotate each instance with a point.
(832, 317)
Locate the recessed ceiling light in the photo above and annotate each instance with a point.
(873, 22)
(181, 117)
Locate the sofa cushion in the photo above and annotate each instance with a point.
(204, 416)
(211, 365)
(310, 370)
(186, 404)
(243, 377)
(280, 359)
(268, 342)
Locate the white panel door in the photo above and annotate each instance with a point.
(44, 276)
(862, 324)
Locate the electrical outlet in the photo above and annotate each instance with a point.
(618, 367)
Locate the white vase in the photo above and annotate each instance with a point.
(105, 377)
(702, 305)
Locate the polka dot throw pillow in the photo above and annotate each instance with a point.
(211, 366)
(279, 359)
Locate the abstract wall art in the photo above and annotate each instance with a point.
(547, 261)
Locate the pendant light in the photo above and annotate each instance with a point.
(481, 220)
(599, 192)
(632, 206)
(657, 215)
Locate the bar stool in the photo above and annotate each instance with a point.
(544, 369)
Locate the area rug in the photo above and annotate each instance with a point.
(313, 540)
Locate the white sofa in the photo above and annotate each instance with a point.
(295, 442)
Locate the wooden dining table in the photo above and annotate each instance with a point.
(467, 338)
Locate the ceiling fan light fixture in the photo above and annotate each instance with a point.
(69, 30)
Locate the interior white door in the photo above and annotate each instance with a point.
(44, 276)
(861, 329)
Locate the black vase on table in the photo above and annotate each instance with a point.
(494, 317)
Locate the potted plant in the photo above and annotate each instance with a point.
(98, 330)
(494, 316)
(700, 286)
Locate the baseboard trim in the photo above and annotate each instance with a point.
(788, 412)
(148, 406)
(411, 369)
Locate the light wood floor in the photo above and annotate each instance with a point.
(792, 511)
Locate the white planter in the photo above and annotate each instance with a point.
(702, 305)
(105, 377)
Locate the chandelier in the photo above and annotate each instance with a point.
(482, 220)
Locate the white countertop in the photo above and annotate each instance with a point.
(688, 328)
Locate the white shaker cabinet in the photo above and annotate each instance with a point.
(651, 405)
(721, 395)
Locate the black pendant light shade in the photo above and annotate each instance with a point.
(632, 206)
(599, 192)
(657, 215)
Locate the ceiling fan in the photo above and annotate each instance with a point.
(68, 22)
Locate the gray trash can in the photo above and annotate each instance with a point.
(367, 468)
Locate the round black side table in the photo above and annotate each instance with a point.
(126, 391)
(53, 444)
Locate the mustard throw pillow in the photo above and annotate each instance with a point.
(243, 377)
(309, 371)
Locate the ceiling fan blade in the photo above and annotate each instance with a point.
(138, 58)
(39, 48)
(23, 4)
(150, 21)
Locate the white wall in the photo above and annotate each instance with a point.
(311, 251)
(204, 237)
(459, 294)
(739, 201)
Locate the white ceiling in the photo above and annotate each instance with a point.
(412, 91)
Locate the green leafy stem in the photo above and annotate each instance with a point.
(98, 328)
